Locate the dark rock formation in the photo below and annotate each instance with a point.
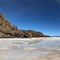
(7, 30)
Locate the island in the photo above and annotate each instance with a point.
(7, 30)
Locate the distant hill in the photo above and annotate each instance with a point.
(7, 30)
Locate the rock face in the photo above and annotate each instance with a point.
(7, 30)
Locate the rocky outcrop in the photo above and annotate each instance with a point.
(7, 30)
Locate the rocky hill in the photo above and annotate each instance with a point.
(7, 30)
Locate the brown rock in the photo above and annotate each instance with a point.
(7, 30)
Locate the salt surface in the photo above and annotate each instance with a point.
(23, 50)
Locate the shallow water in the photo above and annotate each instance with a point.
(29, 50)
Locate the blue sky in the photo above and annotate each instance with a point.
(39, 15)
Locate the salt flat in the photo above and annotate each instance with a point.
(30, 48)
(36, 38)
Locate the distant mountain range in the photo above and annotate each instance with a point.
(7, 30)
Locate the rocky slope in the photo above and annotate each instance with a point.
(7, 30)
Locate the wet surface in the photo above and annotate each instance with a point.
(29, 50)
